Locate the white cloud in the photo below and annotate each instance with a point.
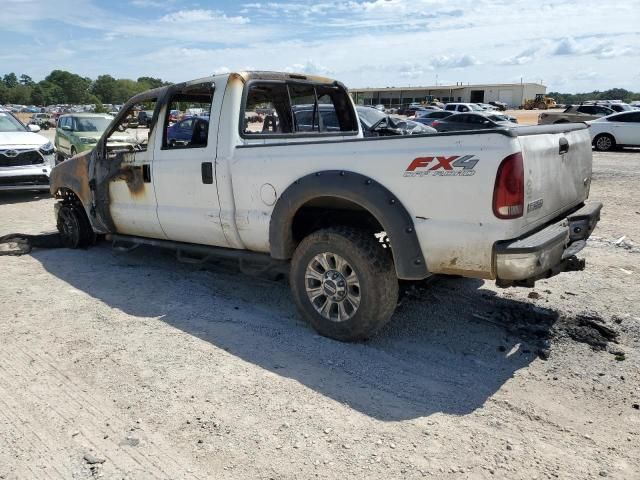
(201, 16)
(309, 67)
(527, 56)
(455, 61)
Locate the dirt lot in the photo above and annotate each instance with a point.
(136, 366)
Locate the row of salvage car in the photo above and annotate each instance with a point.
(26, 158)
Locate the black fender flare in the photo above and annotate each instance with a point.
(363, 191)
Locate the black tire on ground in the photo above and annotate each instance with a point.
(350, 252)
(74, 227)
(604, 142)
(59, 158)
(73, 151)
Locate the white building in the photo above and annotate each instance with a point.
(513, 94)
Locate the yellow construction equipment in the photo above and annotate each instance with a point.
(541, 102)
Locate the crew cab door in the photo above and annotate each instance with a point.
(184, 175)
(132, 198)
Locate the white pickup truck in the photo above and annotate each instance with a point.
(295, 186)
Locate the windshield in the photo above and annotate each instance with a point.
(92, 124)
(370, 116)
(476, 108)
(9, 124)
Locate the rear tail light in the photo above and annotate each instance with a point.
(435, 123)
(508, 193)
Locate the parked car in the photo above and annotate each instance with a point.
(188, 131)
(575, 113)
(617, 130)
(463, 107)
(144, 117)
(43, 120)
(377, 124)
(79, 132)
(410, 110)
(313, 201)
(26, 158)
(501, 106)
(487, 107)
(379, 107)
(427, 118)
(472, 121)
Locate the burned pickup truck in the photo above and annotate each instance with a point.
(349, 215)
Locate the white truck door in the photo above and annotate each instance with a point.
(184, 166)
(132, 196)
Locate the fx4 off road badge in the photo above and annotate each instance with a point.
(454, 166)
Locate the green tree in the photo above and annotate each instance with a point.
(75, 89)
(151, 82)
(104, 88)
(26, 80)
(10, 80)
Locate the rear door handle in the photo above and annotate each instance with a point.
(146, 173)
(206, 168)
(564, 146)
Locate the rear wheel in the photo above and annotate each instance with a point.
(344, 283)
(73, 151)
(74, 226)
(604, 142)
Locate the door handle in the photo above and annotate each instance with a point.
(206, 169)
(146, 173)
(564, 146)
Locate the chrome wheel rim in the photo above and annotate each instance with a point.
(604, 143)
(333, 287)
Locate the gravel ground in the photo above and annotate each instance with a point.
(136, 366)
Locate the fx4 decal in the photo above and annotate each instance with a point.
(442, 166)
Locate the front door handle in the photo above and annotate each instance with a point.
(206, 168)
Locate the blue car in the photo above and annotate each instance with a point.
(188, 131)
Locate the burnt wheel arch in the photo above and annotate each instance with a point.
(363, 191)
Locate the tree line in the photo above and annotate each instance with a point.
(62, 87)
(611, 94)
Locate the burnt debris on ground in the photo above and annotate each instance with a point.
(22, 244)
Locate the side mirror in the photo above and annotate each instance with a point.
(66, 128)
(33, 128)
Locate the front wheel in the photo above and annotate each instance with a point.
(344, 283)
(604, 142)
(74, 227)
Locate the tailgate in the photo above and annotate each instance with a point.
(557, 164)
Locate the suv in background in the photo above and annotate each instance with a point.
(26, 158)
(79, 132)
(144, 118)
(43, 120)
(463, 107)
(575, 113)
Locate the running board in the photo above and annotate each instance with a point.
(194, 253)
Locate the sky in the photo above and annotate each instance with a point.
(569, 45)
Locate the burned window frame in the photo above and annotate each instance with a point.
(344, 110)
(156, 97)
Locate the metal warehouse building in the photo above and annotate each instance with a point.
(513, 94)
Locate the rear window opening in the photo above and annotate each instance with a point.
(294, 108)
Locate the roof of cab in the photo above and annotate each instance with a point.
(243, 76)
